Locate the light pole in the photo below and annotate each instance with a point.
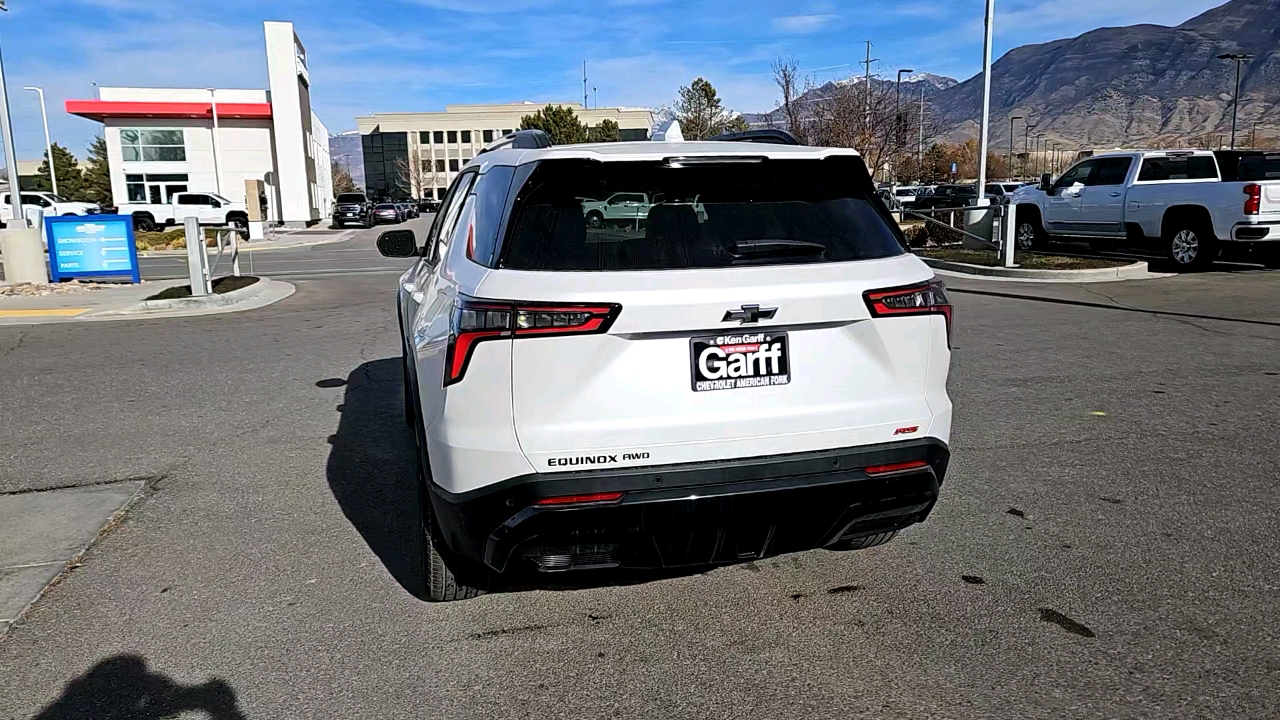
(985, 128)
(1040, 152)
(10, 155)
(1011, 119)
(48, 146)
(1239, 59)
(1026, 147)
(920, 142)
(217, 150)
(897, 119)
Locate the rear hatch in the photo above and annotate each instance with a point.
(1263, 169)
(736, 317)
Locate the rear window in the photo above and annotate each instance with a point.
(1260, 167)
(578, 215)
(1201, 167)
(350, 198)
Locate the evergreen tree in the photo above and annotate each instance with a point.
(560, 124)
(342, 182)
(701, 114)
(70, 177)
(97, 175)
(606, 131)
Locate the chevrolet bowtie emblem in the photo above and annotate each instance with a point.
(749, 314)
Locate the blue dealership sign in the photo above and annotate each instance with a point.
(91, 246)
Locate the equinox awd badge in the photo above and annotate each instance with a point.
(749, 314)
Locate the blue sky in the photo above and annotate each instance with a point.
(417, 55)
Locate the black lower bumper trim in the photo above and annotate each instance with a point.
(694, 514)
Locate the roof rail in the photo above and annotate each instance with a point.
(519, 140)
(769, 136)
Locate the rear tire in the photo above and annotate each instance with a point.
(439, 582)
(864, 542)
(1190, 245)
(1270, 256)
(143, 223)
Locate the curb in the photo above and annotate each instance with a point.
(260, 294)
(204, 301)
(247, 247)
(1138, 270)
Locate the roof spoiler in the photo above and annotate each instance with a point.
(768, 136)
(519, 140)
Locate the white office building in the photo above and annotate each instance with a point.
(161, 141)
(442, 142)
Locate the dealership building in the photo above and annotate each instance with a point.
(440, 143)
(162, 141)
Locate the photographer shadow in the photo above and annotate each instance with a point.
(123, 688)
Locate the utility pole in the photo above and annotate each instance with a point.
(1011, 120)
(866, 87)
(897, 124)
(584, 84)
(986, 100)
(1238, 58)
(1040, 152)
(217, 150)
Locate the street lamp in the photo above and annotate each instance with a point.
(217, 149)
(920, 142)
(48, 146)
(1026, 147)
(1011, 119)
(1239, 59)
(1040, 152)
(989, 24)
(898, 106)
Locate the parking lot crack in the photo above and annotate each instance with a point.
(22, 336)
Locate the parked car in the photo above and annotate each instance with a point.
(1000, 192)
(767, 380)
(948, 196)
(1175, 201)
(209, 208)
(387, 213)
(51, 205)
(352, 209)
(428, 205)
(906, 195)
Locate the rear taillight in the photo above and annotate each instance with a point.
(895, 467)
(600, 497)
(928, 298)
(1253, 205)
(475, 320)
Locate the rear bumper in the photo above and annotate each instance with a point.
(695, 514)
(1256, 232)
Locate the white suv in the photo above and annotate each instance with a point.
(765, 376)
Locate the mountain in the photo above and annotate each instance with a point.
(932, 85)
(1143, 85)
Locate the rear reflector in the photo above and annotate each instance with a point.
(928, 298)
(895, 467)
(580, 499)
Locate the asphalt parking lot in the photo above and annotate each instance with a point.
(1106, 544)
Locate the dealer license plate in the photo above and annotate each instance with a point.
(739, 360)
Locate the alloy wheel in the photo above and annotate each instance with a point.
(1026, 236)
(1186, 247)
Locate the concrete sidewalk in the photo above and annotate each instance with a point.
(104, 301)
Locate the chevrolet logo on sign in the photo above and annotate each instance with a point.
(749, 314)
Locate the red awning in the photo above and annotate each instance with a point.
(101, 109)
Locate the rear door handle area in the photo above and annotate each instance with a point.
(1116, 194)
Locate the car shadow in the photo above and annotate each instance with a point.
(373, 474)
(122, 687)
(373, 468)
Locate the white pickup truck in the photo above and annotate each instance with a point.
(1190, 204)
(48, 202)
(210, 208)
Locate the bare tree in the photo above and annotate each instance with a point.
(835, 115)
(414, 173)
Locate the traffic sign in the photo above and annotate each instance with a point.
(91, 246)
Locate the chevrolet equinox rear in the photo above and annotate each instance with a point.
(747, 364)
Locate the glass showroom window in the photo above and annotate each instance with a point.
(152, 145)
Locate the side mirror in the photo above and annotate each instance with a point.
(398, 243)
(215, 203)
(1046, 182)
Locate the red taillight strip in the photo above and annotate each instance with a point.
(462, 346)
(599, 497)
(895, 467)
(875, 302)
